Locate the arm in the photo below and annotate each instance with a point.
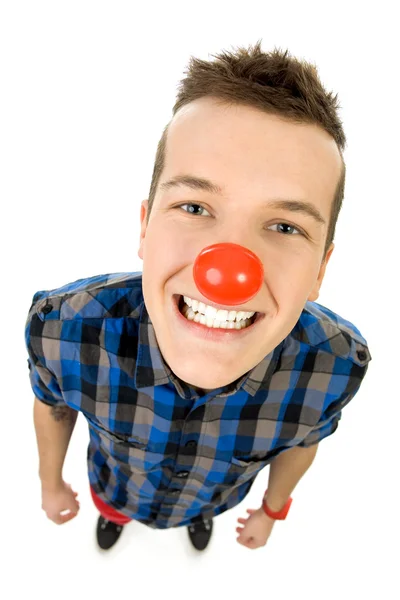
(286, 470)
(54, 426)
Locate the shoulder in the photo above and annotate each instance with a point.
(321, 328)
(101, 296)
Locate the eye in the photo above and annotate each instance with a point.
(290, 226)
(191, 204)
(285, 225)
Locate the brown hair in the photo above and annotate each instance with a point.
(273, 82)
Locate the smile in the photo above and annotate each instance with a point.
(210, 334)
(204, 314)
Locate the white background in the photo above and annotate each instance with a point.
(86, 88)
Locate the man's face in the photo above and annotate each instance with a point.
(255, 158)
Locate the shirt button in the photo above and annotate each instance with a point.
(361, 354)
(47, 309)
(192, 444)
(182, 474)
(175, 492)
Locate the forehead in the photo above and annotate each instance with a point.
(242, 147)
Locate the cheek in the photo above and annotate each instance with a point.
(289, 276)
(173, 246)
(165, 254)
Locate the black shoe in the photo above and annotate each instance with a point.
(200, 533)
(107, 533)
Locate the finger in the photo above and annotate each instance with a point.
(239, 540)
(58, 519)
(66, 518)
(251, 510)
(242, 521)
(239, 529)
(67, 511)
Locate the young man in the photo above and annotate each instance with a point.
(216, 361)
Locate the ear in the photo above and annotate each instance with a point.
(143, 226)
(315, 291)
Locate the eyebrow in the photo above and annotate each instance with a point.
(205, 185)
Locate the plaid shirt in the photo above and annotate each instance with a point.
(158, 452)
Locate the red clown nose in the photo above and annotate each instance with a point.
(228, 273)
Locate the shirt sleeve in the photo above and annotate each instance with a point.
(44, 384)
(322, 430)
(329, 421)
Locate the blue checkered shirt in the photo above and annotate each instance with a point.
(159, 452)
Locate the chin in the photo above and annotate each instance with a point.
(192, 377)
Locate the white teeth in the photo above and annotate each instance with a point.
(211, 314)
(214, 323)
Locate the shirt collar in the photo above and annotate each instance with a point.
(152, 370)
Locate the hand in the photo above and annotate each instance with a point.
(257, 529)
(60, 499)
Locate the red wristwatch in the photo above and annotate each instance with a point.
(280, 515)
